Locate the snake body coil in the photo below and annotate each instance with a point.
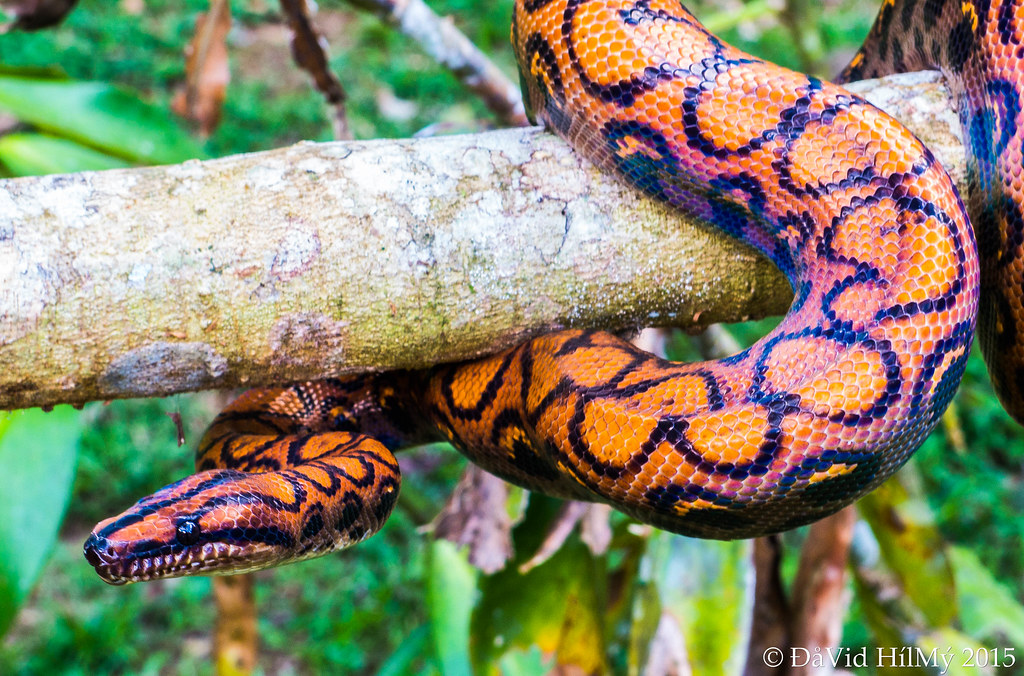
(849, 204)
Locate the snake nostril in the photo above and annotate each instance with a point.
(94, 548)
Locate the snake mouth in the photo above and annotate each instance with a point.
(119, 563)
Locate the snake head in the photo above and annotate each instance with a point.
(194, 526)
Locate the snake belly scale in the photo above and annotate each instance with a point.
(850, 205)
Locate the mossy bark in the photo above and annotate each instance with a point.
(324, 259)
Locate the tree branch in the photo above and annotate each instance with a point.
(319, 260)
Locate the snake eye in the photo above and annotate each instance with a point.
(188, 533)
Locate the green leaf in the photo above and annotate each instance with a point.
(30, 154)
(912, 546)
(526, 663)
(37, 461)
(706, 587)
(557, 606)
(451, 592)
(101, 116)
(951, 653)
(988, 611)
(400, 662)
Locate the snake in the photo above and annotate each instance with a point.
(891, 273)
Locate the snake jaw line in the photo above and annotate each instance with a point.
(116, 565)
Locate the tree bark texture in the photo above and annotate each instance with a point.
(324, 259)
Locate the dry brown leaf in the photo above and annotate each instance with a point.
(206, 70)
(595, 531)
(667, 654)
(178, 426)
(309, 50)
(476, 515)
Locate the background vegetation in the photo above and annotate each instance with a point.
(401, 603)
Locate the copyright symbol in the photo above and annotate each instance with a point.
(773, 657)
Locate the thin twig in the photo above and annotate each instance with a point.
(310, 52)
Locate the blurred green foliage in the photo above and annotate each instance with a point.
(97, 126)
(37, 452)
(398, 603)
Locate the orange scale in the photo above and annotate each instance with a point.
(672, 39)
(467, 385)
(828, 434)
(827, 99)
(936, 182)
(699, 479)
(800, 445)
(593, 367)
(674, 464)
(831, 472)
(860, 234)
(641, 483)
(929, 272)
(836, 199)
(665, 99)
(737, 439)
(862, 136)
(790, 95)
(798, 427)
(858, 304)
(612, 435)
(659, 456)
(791, 359)
(667, 7)
(679, 396)
(734, 123)
(146, 529)
(809, 164)
(318, 475)
(630, 146)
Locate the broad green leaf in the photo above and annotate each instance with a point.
(28, 154)
(51, 72)
(526, 663)
(988, 611)
(37, 461)
(951, 653)
(706, 587)
(451, 593)
(400, 661)
(99, 115)
(647, 606)
(556, 607)
(912, 546)
(891, 618)
(730, 18)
